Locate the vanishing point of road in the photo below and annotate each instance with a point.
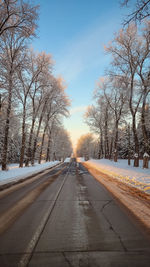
(63, 217)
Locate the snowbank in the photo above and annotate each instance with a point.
(67, 160)
(80, 160)
(137, 177)
(15, 173)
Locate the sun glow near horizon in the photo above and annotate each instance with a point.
(75, 124)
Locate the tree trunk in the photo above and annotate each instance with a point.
(116, 143)
(106, 134)
(28, 158)
(43, 137)
(54, 156)
(48, 148)
(6, 132)
(111, 147)
(23, 136)
(35, 141)
(145, 135)
(136, 143)
(129, 146)
(37, 134)
(99, 149)
(145, 160)
(0, 103)
(101, 143)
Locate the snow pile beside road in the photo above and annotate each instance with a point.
(15, 173)
(137, 177)
(80, 159)
(67, 160)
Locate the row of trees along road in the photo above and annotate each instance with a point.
(87, 147)
(121, 114)
(32, 100)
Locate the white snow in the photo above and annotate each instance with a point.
(80, 159)
(137, 177)
(15, 173)
(134, 176)
(67, 160)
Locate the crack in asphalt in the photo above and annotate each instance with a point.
(81, 262)
(110, 224)
(76, 252)
(106, 204)
(67, 260)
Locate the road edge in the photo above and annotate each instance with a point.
(136, 205)
(21, 180)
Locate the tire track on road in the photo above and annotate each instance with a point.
(34, 241)
(8, 217)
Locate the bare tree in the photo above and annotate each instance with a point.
(61, 143)
(125, 51)
(116, 96)
(32, 81)
(94, 119)
(19, 16)
(55, 102)
(50, 130)
(143, 70)
(99, 119)
(140, 12)
(85, 146)
(12, 57)
(40, 81)
(12, 44)
(108, 119)
(57, 105)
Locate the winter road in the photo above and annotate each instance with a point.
(65, 218)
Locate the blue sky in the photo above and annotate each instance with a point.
(75, 32)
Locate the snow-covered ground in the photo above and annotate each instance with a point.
(67, 160)
(137, 177)
(15, 173)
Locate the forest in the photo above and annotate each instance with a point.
(33, 101)
(120, 115)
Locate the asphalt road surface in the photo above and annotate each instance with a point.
(65, 218)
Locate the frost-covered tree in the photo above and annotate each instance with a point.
(126, 143)
(125, 50)
(32, 80)
(114, 90)
(11, 58)
(57, 106)
(61, 144)
(143, 71)
(84, 146)
(94, 119)
(17, 24)
(56, 102)
(141, 10)
(19, 16)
